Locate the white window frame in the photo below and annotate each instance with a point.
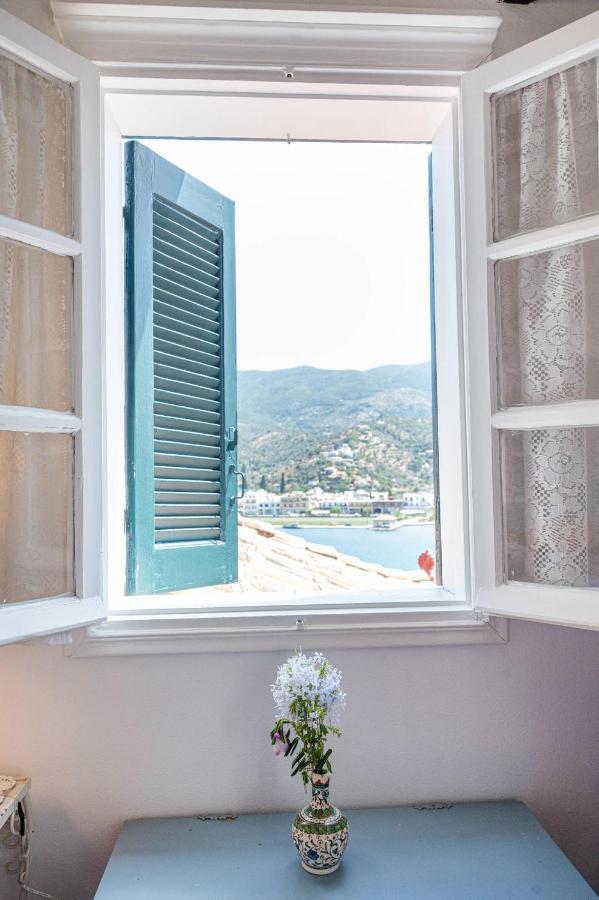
(210, 621)
(553, 604)
(365, 57)
(19, 620)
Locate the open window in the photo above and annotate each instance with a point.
(531, 205)
(516, 364)
(174, 372)
(50, 345)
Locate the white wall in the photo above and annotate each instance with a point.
(105, 740)
(35, 12)
(109, 739)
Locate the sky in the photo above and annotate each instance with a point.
(332, 248)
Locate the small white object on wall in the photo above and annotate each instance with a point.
(12, 790)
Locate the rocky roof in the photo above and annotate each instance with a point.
(270, 559)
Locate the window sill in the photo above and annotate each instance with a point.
(416, 625)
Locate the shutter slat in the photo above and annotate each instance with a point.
(163, 457)
(175, 234)
(188, 443)
(205, 293)
(173, 399)
(182, 327)
(177, 231)
(174, 305)
(175, 435)
(205, 303)
(200, 362)
(179, 536)
(193, 390)
(181, 334)
(194, 269)
(181, 448)
(175, 411)
(180, 424)
(184, 334)
(186, 220)
(185, 511)
(184, 251)
(165, 471)
(189, 497)
(178, 487)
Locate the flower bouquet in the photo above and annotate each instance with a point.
(309, 701)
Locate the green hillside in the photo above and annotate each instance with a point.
(337, 428)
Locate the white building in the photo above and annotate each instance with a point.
(297, 502)
(355, 501)
(260, 503)
(417, 501)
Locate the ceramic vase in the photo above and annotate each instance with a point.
(320, 830)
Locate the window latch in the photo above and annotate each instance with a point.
(238, 474)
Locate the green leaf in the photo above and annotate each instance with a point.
(291, 747)
(321, 766)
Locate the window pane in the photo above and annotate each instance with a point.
(546, 154)
(550, 483)
(36, 515)
(548, 324)
(35, 327)
(34, 148)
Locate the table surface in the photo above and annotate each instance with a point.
(475, 851)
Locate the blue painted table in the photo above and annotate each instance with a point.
(476, 851)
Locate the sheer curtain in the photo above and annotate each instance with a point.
(546, 173)
(36, 470)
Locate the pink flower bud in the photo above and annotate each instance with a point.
(279, 745)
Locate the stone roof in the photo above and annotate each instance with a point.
(271, 559)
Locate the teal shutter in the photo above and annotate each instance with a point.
(181, 379)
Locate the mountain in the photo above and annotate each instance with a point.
(337, 428)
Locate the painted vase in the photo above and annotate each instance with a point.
(320, 831)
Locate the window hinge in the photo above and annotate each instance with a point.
(231, 436)
(481, 617)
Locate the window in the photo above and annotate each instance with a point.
(534, 408)
(50, 424)
(333, 368)
(518, 412)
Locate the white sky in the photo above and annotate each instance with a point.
(332, 249)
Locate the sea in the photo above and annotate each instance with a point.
(397, 549)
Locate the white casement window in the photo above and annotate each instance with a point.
(220, 620)
(50, 336)
(531, 206)
(516, 216)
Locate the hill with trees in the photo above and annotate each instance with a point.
(337, 429)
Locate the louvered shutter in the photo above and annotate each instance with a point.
(181, 379)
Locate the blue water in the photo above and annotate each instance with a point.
(397, 549)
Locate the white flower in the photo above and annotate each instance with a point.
(315, 680)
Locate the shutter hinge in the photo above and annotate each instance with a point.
(231, 437)
(126, 521)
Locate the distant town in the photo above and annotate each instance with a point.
(317, 502)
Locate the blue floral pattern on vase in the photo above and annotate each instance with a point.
(320, 831)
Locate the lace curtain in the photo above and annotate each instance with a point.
(36, 470)
(547, 171)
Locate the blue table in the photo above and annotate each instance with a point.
(476, 851)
